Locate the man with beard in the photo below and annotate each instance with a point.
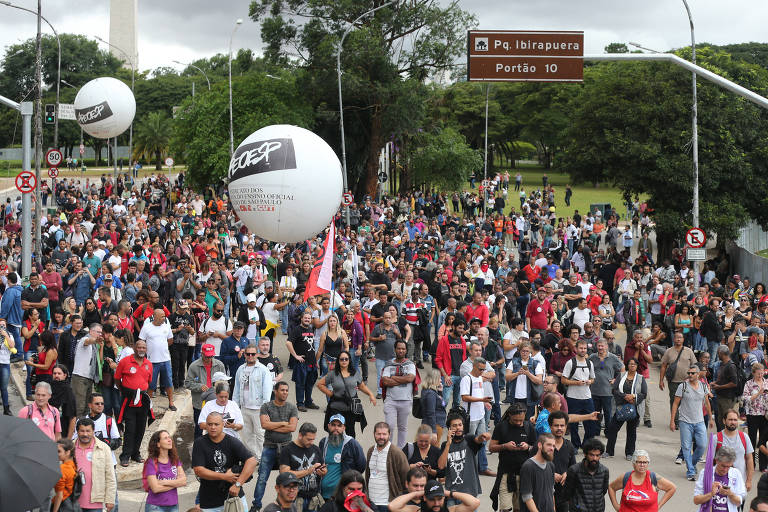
(271, 362)
(200, 379)
(94, 459)
(133, 375)
(434, 498)
(301, 345)
(537, 477)
(386, 468)
(302, 458)
(459, 457)
(513, 439)
(340, 453)
(252, 389)
(741, 443)
(563, 458)
(397, 381)
(587, 482)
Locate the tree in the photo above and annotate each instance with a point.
(631, 125)
(616, 48)
(152, 138)
(442, 159)
(403, 44)
(200, 134)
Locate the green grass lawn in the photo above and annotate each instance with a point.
(763, 253)
(583, 195)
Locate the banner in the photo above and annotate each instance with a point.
(321, 278)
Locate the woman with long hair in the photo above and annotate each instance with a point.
(432, 404)
(63, 488)
(630, 388)
(755, 398)
(164, 474)
(47, 358)
(31, 327)
(332, 342)
(564, 354)
(344, 388)
(351, 481)
(684, 321)
(91, 314)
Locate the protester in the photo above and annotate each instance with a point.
(253, 388)
(199, 380)
(303, 459)
(163, 472)
(62, 500)
(537, 477)
(94, 459)
(587, 482)
(640, 487)
(340, 454)
(629, 391)
(726, 490)
(42, 414)
(134, 376)
(386, 468)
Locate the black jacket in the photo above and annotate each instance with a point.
(585, 491)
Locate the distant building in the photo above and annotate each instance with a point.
(123, 15)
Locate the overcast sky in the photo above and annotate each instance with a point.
(188, 29)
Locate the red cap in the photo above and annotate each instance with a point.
(208, 350)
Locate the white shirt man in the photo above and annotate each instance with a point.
(158, 335)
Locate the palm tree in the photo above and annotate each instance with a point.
(153, 136)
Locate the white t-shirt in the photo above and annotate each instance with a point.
(231, 410)
(83, 354)
(584, 371)
(515, 336)
(473, 386)
(521, 382)
(157, 337)
(115, 263)
(252, 333)
(212, 325)
(270, 313)
(378, 484)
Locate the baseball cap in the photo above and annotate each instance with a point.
(208, 350)
(337, 417)
(433, 489)
(251, 297)
(107, 277)
(285, 479)
(475, 319)
(238, 325)
(182, 304)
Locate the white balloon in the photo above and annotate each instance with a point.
(285, 183)
(104, 107)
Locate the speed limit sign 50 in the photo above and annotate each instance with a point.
(53, 157)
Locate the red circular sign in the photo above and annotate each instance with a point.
(53, 157)
(348, 199)
(53, 172)
(26, 182)
(696, 238)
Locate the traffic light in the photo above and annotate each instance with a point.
(50, 113)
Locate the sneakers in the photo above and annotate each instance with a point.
(313, 406)
(628, 457)
(301, 408)
(679, 461)
(648, 424)
(171, 407)
(691, 478)
(607, 455)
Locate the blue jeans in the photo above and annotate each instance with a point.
(591, 428)
(5, 375)
(28, 383)
(16, 333)
(242, 298)
(161, 371)
(475, 429)
(455, 400)
(304, 377)
(159, 508)
(284, 320)
(325, 364)
(111, 401)
(689, 432)
(604, 404)
(495, 407)
(268, 457)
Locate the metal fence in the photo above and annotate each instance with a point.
(752, 237)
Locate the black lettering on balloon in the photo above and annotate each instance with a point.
(93, 114)
(262, 156)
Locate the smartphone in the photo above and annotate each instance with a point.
(599, 416)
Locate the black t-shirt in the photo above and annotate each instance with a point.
(177, 320)
(218, 457)
(461, 469)
(572, 290)
(303, 339)
(563, 458)
(726, 374)
(38, 295)
(273, 365)
(274, 507)
(379, 309)
(431, 459)
(299, 459)
(510, 461)
(456, 346)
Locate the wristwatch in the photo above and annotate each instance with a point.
(238, 484)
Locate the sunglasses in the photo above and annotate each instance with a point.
(343, 359)
(247, 354)
(218, 310)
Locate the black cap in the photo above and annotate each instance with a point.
(433, 489)
(285, 479)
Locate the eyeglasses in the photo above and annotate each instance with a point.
(692, 373)
(343, 359)
(98, 403)
(642, 462)
(218, 310)
(248, 354)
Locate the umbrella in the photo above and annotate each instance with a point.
(29, 464)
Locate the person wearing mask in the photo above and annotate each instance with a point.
(199, 380)
(222, 463)
(340, 454)
(133, 376)
(94, 460)
(386, 469)
(727, 490)
(607, 367)
(301, 346)
(158, 336)
(513, 439)
(628, 390)
(303, 459)
(253, 385)
(690, 401)
(279, 419)
(587, 482)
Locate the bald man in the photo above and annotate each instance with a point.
(156, 331)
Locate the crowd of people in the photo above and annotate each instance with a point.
(495, 328)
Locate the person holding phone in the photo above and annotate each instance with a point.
(230, 412)
(303, 459)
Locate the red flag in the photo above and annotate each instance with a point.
(321, 278)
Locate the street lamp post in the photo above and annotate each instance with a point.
(341, 105)
(197, 68)
(81, 128)
(238, 22)
(130, 132)
(694, 124)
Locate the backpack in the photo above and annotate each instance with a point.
(574, 367)
(144, 482)
(416, 408)
(629, 473)
(741, 379)
(742, 437)
(55, 412)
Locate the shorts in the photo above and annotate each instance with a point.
(163, 370)
(509, 500)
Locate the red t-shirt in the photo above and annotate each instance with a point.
(208, 374)
(539, 313)
(133, 375)
(531, 272)
(199, 251)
